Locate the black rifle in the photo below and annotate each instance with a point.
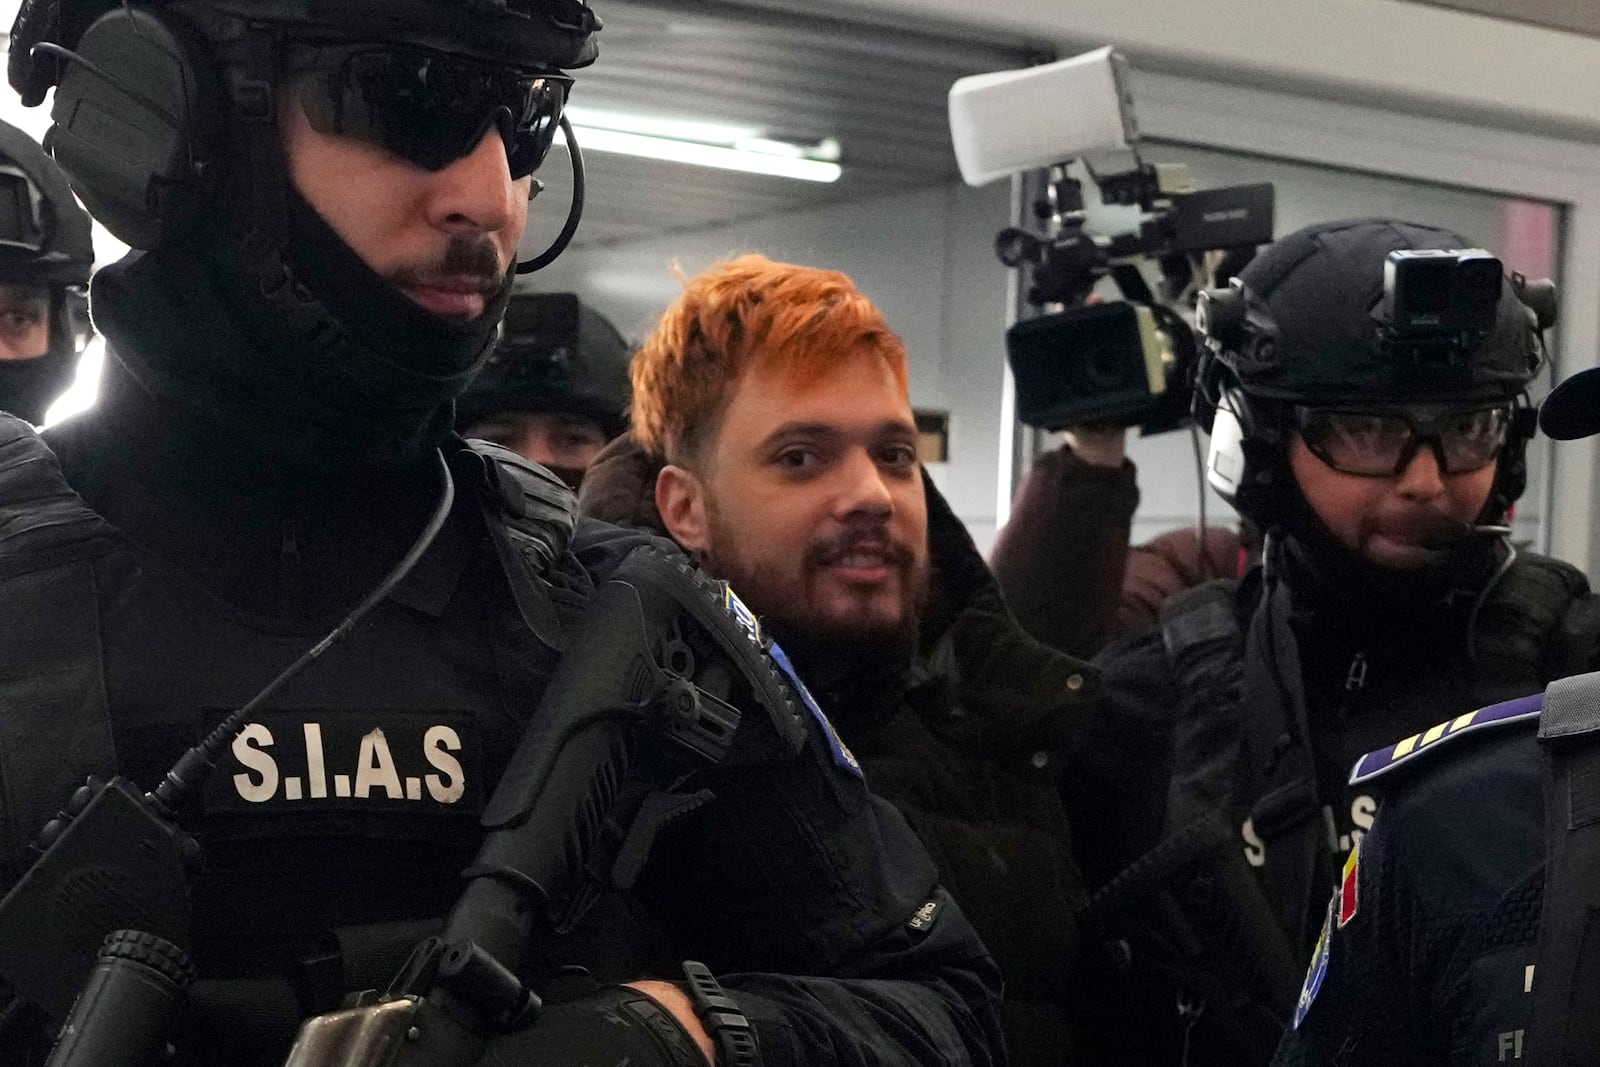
(644, 697)
(591, 767)
(1191, 914)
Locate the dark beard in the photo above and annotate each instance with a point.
(784, 612)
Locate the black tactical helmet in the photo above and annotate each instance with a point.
(45, 237)
(518, 33)
(45, 242)
(163, 108)
(556, 354)
(1315, 328)
(1311, 320)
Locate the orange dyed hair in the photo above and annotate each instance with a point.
(800, 319)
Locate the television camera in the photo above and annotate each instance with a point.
(1127, 361)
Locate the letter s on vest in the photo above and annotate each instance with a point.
(254, 759)
(437, 744)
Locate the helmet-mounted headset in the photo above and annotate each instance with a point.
(144, 92)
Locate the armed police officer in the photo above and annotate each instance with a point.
(556, 388)
(1463, 930)
(45, 258)
(1368, 383)
(329, 198)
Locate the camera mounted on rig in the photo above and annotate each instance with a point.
(1128, 361)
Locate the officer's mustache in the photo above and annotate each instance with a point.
(473, 258)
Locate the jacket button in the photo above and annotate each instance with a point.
(1041, 760)
(1075, 682)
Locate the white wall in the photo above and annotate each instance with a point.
(925, 257)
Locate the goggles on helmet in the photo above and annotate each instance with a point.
(21, 228)
(1380, 443)
(428, 107)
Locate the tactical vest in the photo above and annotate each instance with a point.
(1224, 756)
(55, 722)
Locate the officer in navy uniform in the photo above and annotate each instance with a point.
(46, 254)
(1463, 931)
(1375, 430)
(328, 199)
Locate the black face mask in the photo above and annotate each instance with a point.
(573, 476)
(29, 386)
(308, 356)
(344, 349)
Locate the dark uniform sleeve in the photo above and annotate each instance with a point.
(819, 911)
(1120, 763)
(1431, 935)
(1353, 1008)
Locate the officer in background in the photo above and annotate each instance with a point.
(555, 389)
(1380, 449)
(330, 204)
(45, 258)
(1463, 930)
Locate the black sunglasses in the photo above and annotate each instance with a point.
(427, 107)
(1380, 443)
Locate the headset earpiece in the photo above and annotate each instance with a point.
(135, 119)
(1220, 314)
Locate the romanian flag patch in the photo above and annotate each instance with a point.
(1349, 887)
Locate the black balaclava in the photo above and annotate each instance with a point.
(339, 369)
(306, 355)
(29, 386)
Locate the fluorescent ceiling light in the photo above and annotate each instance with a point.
(650, 126)
(706, 155)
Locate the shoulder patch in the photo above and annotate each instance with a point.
(1350, 886)
(1404, 753)
(1317, 973)
(836, 747)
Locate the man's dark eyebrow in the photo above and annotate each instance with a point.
(827, 431)
(803, 430)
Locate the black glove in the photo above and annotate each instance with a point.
(614, 1026)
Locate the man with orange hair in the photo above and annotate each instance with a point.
(773, 438)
